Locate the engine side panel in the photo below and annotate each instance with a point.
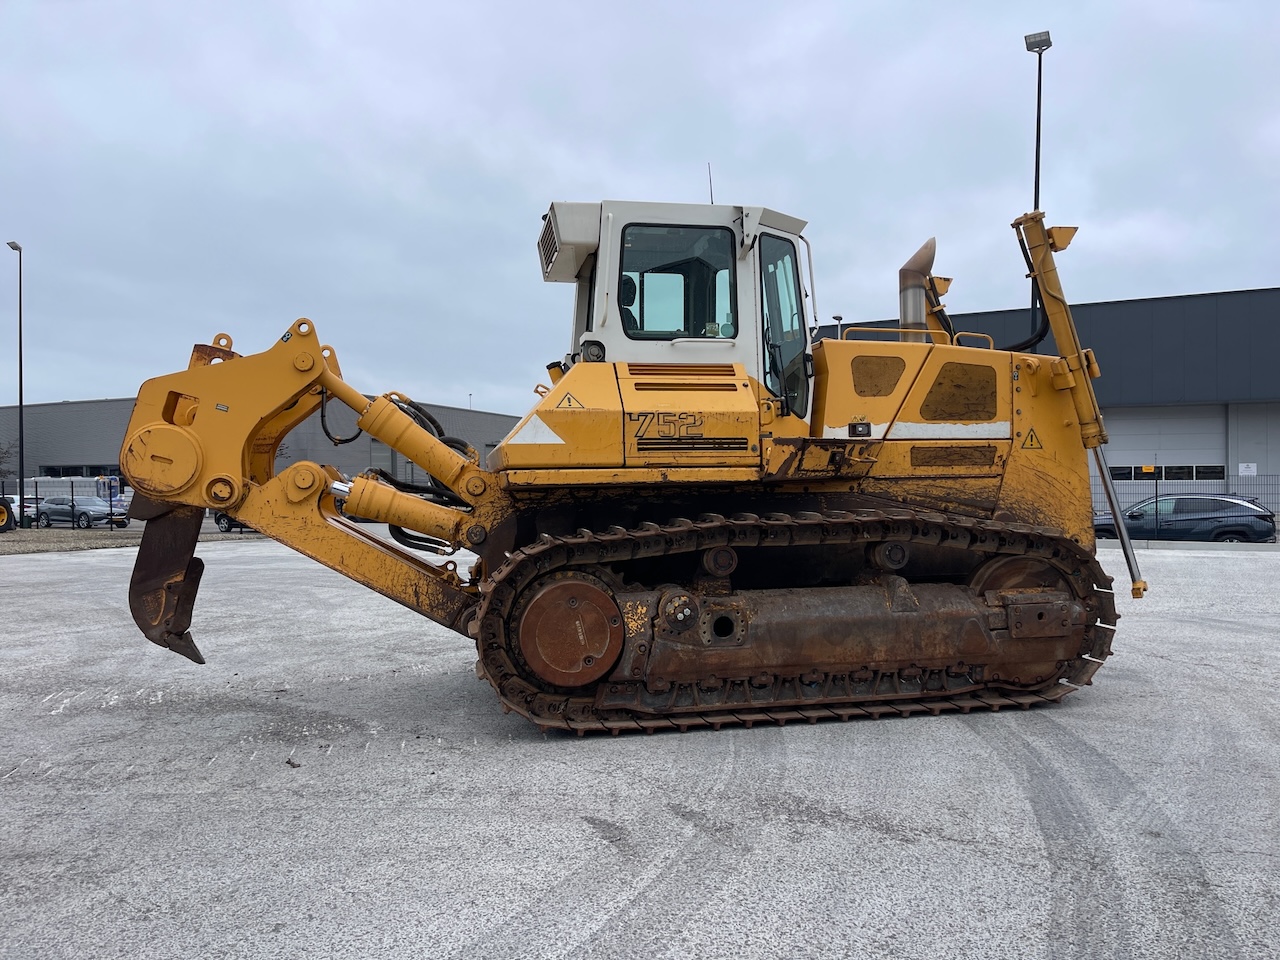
(577, 424)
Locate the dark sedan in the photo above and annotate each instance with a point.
(1193, 516)
(226, 523)
(84, 512)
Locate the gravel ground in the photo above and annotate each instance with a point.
(36, 540)
(336, 782)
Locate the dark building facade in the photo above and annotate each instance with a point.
(82, 438)
(1189, 387)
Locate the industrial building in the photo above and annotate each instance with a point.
(82, 438)
(1189, 392)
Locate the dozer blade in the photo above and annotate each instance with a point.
(166, 575)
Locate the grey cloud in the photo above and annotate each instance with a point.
(178, 170)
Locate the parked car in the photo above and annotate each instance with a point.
(84, 512)
(30, 508)
(226, 523)
(1193, 516)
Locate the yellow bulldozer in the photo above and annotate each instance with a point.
(709, 516)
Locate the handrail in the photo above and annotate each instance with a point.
(947, 339)
(862, 329)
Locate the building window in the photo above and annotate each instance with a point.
(1155, 472)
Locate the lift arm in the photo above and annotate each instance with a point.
(1075, 368)
(207, 438)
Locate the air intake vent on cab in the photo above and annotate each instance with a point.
(570, 234)
(548, 247)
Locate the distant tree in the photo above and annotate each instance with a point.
(8, 460)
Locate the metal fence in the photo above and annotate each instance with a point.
(40, 487)
(1265, 490)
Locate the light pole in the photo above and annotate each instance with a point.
(22, 463)
(1037, 43)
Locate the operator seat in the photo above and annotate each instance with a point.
(626, 298)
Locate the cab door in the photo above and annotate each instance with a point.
(786, 363)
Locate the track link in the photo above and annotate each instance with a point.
(788, 699)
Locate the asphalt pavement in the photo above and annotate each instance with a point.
(335, 782)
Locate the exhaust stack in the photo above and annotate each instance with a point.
(911, 293)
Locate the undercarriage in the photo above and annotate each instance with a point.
(570, 640)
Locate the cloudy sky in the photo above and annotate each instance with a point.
(178, 169)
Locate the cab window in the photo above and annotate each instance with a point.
(677, 282)
(784, 338)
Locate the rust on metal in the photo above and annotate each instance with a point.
(166, 575)
(571, 632)
(1033, 623)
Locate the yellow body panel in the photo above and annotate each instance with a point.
(689, 414)
(577, 423)
(637, 416)
(862, 381)
(968, 429)
(1047, 477)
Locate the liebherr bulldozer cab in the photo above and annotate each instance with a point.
(706, 518)
(691, 324)
(686, 284)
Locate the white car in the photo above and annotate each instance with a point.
(12, 501)
(30, 504)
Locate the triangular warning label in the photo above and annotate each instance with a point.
(1032, 442)
(569, 402)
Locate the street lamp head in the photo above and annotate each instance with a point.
(15, 245)
(1038, 43)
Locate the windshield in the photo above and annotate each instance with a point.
(677, 282)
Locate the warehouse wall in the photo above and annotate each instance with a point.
(1194, 435)
(72, 434)
(1253, 437)
(1186, 381)
(83, 437)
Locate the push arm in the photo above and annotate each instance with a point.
(1075, 368)
(207, 438)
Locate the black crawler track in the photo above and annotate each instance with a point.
(809, 698)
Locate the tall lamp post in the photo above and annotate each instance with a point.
(1037, 43)
(22, 463)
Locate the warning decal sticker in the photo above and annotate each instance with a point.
(1032, 442)
(569, 402)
